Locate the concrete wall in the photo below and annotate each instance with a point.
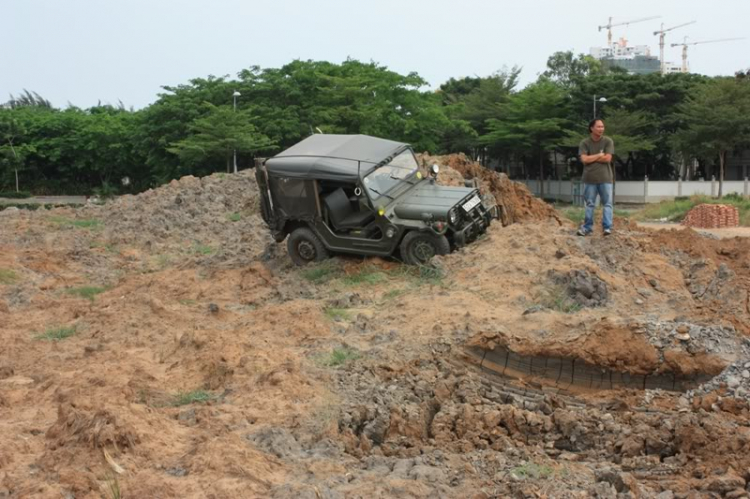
(643, 191)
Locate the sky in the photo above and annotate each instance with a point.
(82, 52)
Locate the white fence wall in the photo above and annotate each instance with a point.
(643, 191)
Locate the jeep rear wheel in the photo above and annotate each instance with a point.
(305, 247)
(418, 248)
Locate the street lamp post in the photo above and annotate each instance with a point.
(601, 99)
(234, 98)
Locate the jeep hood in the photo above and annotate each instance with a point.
(427, 197)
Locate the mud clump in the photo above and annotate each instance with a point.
(584, 288)
(91, 428)
(517, 204)
(277, 441)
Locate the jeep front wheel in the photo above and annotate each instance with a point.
(305, 247)
(418, 248)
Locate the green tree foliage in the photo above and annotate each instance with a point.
(192, 127)
(654, 96)
(470, 103)
(28, 99)
(216, 136)
(568, 70)
(534, 122)
(13, 150)
(717, 120)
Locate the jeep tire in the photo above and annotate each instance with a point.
(305, 247)
(418, 247)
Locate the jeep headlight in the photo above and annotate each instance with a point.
(453, 216)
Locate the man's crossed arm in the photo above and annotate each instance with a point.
(596, 158)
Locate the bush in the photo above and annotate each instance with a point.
(15, 195)
(106, 191)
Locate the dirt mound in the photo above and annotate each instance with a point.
(155, 328)
(212, 218)
(516, 202)
(712, 216)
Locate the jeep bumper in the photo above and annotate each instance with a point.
(473, 229)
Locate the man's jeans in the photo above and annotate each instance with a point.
(605, 196)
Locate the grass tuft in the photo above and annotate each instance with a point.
(533, 471)
(203, 249)
(234, 217)
(7, 276)
(193, 397)
(338, 314)
(341, 356)
(556, 298)
(57, 334)
(113, 490)
(393, 294)
(321, 273)
(81, 224)
(88, 292)
(431, 273)
(366, 275)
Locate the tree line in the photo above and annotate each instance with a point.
(659, 123)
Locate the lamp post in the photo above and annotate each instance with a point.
(234, 98)
(601, 99)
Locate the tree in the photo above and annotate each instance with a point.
(655, 95)
(534, 120)
(717, 119)
(218, 134)
(12, 151)
(475, 102)
(28, 99)
(567, 70)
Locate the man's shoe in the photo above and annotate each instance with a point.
(583, 232)
(607, 232)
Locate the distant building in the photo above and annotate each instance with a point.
(635, 59)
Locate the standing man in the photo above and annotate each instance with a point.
(596, 154)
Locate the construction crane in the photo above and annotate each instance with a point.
(685, 44)
(661, 33)
(609, 26)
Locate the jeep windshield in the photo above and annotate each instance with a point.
(385, 178)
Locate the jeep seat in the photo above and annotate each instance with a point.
(341, 214)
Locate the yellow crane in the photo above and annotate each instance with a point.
(661, 34)
(685, 44)
(609, 26)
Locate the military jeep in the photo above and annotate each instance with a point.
(366, 196)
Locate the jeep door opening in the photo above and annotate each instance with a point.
(366, 196)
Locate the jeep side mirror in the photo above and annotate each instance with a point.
(434, 170)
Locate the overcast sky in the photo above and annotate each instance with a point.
(85, 51)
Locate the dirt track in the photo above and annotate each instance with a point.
(200, 363)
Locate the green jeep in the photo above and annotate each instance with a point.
(366, 196)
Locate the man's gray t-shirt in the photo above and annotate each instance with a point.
(599, 172)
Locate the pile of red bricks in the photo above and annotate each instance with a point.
(712, 216)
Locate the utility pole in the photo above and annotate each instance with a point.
(601, 99)
(234, 97)
(661, 34)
